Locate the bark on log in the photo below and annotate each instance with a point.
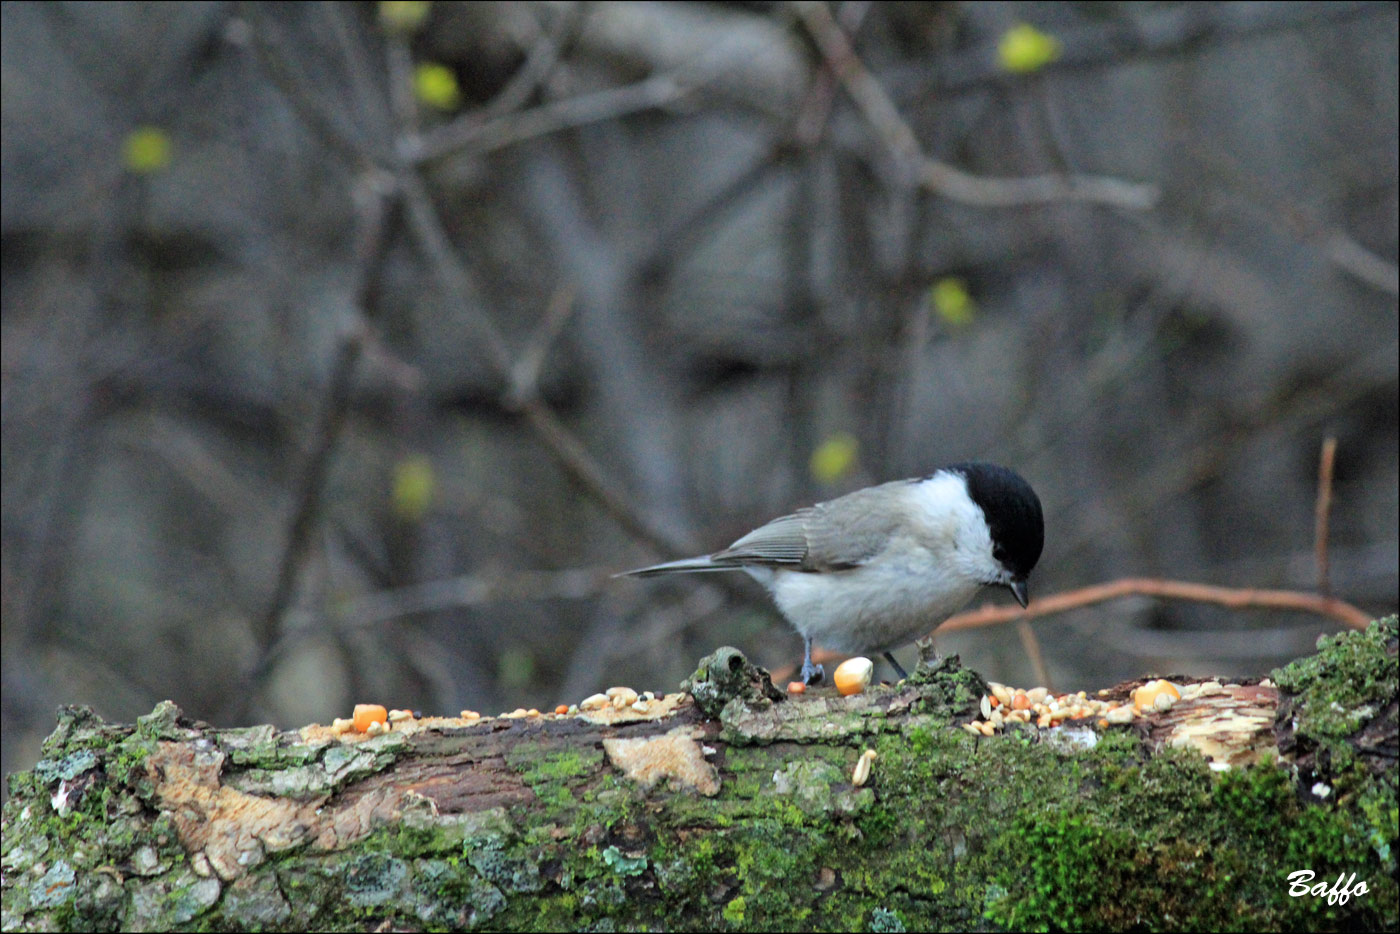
(736, 809)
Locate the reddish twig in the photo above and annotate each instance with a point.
(1031, 645)
(1323, 514)
(1239, 598)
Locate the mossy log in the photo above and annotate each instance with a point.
(734, 808)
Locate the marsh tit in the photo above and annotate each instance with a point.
(879, 567)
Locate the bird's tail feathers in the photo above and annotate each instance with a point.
(683, 566)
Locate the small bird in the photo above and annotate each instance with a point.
(877, 568)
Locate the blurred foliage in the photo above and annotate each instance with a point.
(145, 150)
(414, 483)
(436, 86)
(834, 458)
(951, 301)
(1024, 49)
(404, 16)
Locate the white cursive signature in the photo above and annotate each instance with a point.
(1339, 893)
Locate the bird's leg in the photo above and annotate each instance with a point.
(811, 674)
(898, 668)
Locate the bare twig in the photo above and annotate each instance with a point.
(1031, 645)
(1323, 514)
(1234, 597)
(558, 440)
(1377, 271)
(472, 590)
(471, 134)
(939, 177)
(539, 62)
(319, 113)
(525, 374)
(369, 254)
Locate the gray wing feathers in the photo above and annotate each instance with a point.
(849, 531)
(843, 533)
(782, 541)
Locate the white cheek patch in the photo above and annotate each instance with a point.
(953, 526)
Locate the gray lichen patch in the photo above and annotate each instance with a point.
(725, 675)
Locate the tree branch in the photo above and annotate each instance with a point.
(1239, 598)
(941, 178)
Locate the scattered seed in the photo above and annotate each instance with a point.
(861, 775)
(594, 702)
(640, 706)
(1120, 714)
(376, 727)
(398, 716)
(972, 728)
(986, 707)
(621, 696)
(561, 709)
(470, 715)
(797, 687)
(365, 714)
(853, 675)
(1020, 701)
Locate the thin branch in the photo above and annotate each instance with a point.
(472, 590)
(1239, 598)
(476, 137)
(939, 177)
(1376, 271)
(315, 110)
(1233, 597)
(1031, 645)
(1323, 514)
(539, 62)
(525, 374)
(335, 405)
(557, 439)
(453, 279)
(580, 465)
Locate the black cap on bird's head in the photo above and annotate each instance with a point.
(1014, 518)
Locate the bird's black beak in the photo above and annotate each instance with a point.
(1020, 591)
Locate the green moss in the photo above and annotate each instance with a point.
(1341, 685)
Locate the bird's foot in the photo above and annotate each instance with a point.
(812, 674)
